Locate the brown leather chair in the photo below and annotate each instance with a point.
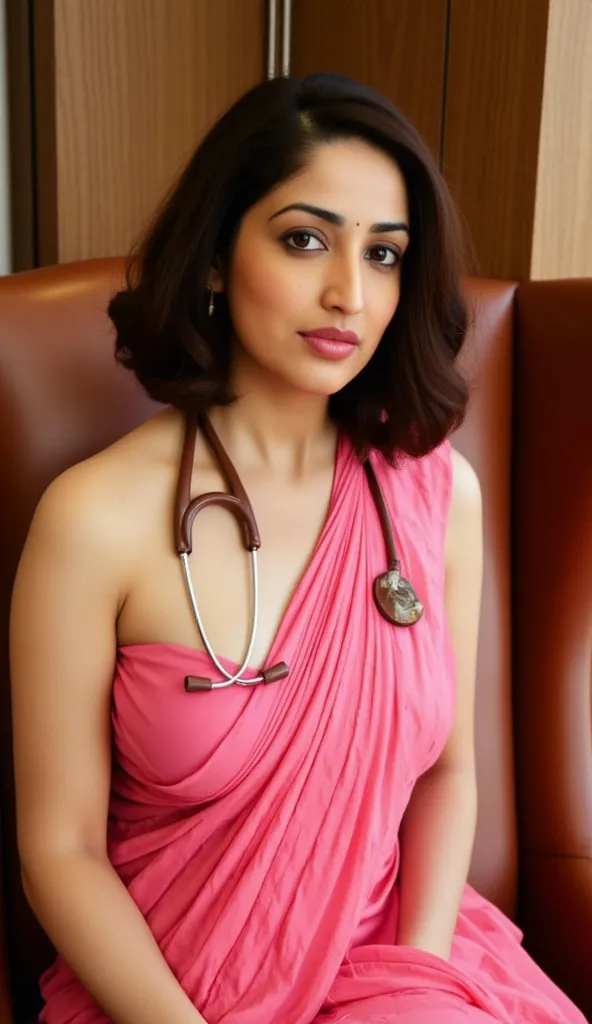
(552, 540)
(62, 397)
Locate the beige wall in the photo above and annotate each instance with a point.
(562, 242)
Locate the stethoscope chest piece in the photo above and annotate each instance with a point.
(394, 596)
(396, 599)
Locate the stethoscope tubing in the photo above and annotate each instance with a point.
(394, 596)
(229, 678)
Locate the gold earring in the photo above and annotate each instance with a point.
(211, 305)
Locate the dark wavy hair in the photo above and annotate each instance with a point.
(410, 395)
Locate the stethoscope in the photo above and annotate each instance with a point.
(394, 596)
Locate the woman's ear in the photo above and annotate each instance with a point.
(215, 279)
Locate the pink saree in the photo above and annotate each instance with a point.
(257, 829)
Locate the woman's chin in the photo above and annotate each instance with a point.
(323, 380)
(312, 386)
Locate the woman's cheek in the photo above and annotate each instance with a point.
(262, 286)
(385, 306)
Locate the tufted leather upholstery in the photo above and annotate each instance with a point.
(62, 397)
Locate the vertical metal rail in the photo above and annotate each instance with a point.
(286, 37)
(272, 38)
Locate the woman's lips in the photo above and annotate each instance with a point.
(331, 343)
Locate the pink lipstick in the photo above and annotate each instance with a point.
(331, 343)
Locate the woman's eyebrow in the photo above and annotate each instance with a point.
(339, 220)
(389, 225)
(315, 211)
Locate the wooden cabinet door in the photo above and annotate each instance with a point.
(396, 46)
(124, 91)
(496, 65)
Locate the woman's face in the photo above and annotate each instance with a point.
(321, 252)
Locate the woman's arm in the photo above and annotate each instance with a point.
(439, 825)
(63, 646)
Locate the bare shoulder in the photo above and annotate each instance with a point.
(464, 520)
(98, 505)
(466, 488)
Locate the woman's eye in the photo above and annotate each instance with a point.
(384, 256)
(301, 240)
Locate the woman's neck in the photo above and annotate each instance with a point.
(275, 428)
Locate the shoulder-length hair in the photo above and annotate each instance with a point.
(410, 395)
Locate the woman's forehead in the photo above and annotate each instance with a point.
(356, 181)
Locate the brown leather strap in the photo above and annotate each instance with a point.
(223, 460)
(237, 502)
(183, 492)
(385, 522)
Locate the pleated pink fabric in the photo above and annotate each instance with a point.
(257, 829)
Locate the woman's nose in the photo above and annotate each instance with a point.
(343, 288)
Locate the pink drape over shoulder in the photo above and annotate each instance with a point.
(257, 830)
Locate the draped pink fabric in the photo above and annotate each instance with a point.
(257, 829)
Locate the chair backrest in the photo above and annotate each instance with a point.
(552, 532)
(63, 397)
(486, 439)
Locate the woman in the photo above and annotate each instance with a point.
(295, 851)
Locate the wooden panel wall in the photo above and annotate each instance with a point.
(18, 42)
(395, 46)
(496, 62)
(125, 91)
(562, 243)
